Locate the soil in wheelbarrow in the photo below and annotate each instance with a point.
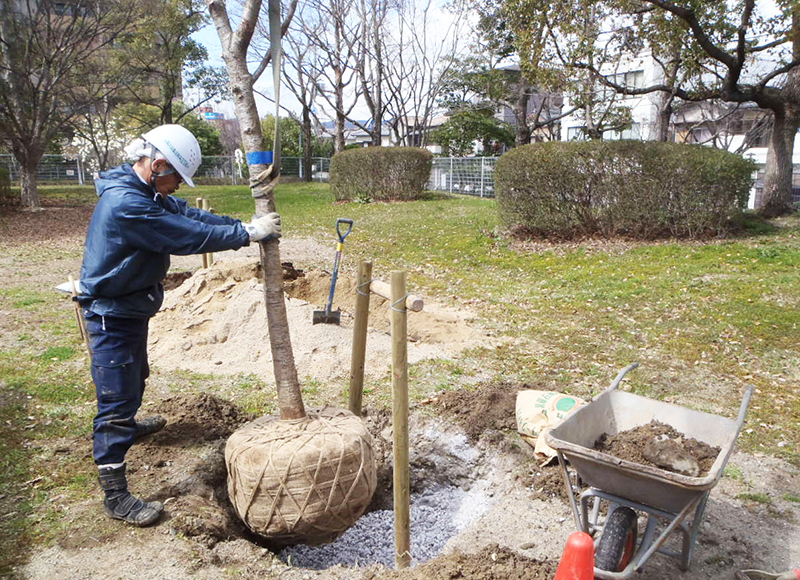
(636, 445)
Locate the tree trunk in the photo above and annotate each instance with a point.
(28, 164)
(663, 117)
(28, 184)
(307, 149)
(521, 116)
(339, 141)
(777, 195)
(289, 396)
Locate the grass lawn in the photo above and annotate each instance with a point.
(705, 319)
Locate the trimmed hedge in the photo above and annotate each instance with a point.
(380, 173)
(638, 189)
(7, 198)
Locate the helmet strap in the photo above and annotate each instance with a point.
(153, 173)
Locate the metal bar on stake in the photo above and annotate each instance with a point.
(402, 488)
(198, 201)
(360, 337)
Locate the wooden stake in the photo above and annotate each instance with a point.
(208, 258)
(402, 487)
(360, 337)
(79, 314)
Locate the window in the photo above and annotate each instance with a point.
(633, 132)
(630, 80)
(576, 134)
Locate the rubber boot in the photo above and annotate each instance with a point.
(119, 502)
(149, 425)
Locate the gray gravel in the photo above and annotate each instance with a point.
(437, 514)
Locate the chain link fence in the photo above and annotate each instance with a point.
(213, 170)
(470, 175)
(51, 169)
(466, 175)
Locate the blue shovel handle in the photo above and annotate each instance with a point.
(339, 248)
(339, 222)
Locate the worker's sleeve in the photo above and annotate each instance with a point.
(148, 226)
(182, 206)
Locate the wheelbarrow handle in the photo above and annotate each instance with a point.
(745, 404)
(620, 375)
(340, 221)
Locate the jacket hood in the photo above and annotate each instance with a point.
(125, 176)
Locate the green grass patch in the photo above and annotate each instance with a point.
(22, 298)
(756, 497)
(733, 472)
(58, 353)
(792, 497)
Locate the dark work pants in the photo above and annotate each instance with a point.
(119, 370)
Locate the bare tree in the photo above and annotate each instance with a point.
(302, 66)
(423, 54)
(97, 127)
(333, 66)
(263, 177)
(370, 62)
(47, 51)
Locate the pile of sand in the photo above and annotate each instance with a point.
(215, 322)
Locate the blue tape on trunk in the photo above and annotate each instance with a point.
(259, 158)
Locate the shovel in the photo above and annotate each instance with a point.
(326, 316)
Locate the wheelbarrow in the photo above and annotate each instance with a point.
(632, 488)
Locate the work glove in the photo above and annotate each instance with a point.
(67, 287)
(267, 227)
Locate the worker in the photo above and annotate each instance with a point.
(136, 225)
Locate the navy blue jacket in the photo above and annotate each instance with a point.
(131, 235)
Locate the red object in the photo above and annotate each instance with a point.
(577, 561)
(797, 573)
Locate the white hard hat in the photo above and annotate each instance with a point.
(179, 147)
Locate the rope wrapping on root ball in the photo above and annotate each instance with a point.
(303, 480)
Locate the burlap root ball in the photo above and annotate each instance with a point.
(302, 481)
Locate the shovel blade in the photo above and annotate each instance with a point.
(325, 317)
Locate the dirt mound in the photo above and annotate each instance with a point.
(201, 417)
(490, 563)
(215, 322)
(546, 483)
(476, 411)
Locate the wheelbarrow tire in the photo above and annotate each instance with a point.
(618, 541)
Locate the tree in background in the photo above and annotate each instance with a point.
(161, 58)
(458, 135)
(531, 92)
(139, 119)
(48, 51)
(302, 76)
(755, 51)
(743, 52)
(293, 139)
(327, 23)
(103, 146)
(425, 46)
